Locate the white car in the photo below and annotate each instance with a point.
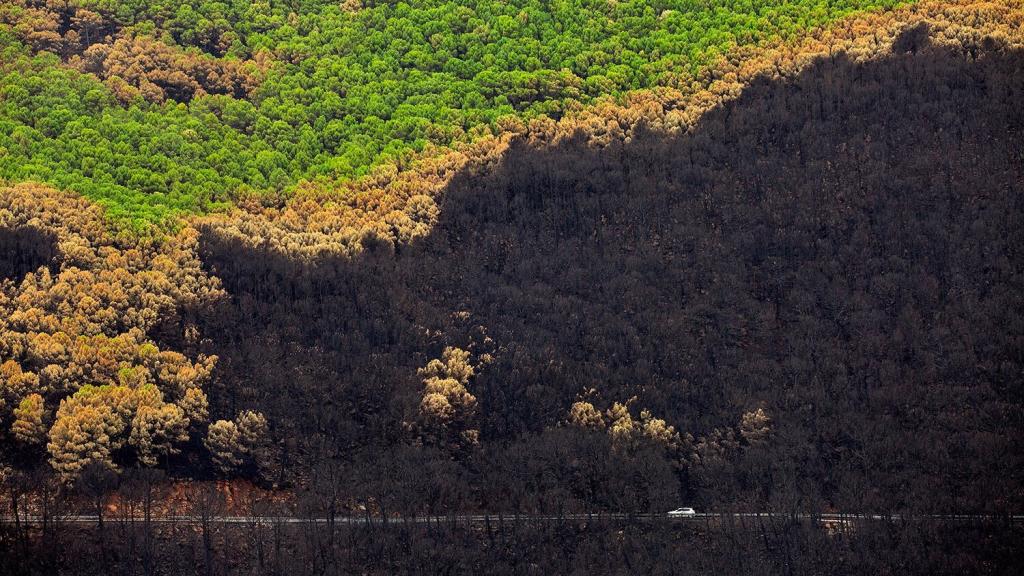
(683, 512)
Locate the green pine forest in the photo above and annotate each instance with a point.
(325, 90)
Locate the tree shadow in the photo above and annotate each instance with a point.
(842, 247)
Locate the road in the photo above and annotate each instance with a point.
(706, 517)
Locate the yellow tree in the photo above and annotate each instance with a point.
(28, 425)
(82, 433)
(621, 426)
(155, 431)
(658, 430)
(226, 449)
(195, 406)
(15, 384)
(584, 415)
(252, 429)
(447, 409)
(755, 427)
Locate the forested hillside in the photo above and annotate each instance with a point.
(834, 244)
(159, 108)
(718, 255)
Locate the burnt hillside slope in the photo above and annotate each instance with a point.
(842, 248)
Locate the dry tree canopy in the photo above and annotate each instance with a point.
(77, 358)
(599, 249)
(206, 101)
(93, 38)
(326, 220)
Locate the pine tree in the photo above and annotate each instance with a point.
(195, 406)
(226, 449)
(80, 435)
(755, 427)
(447, 410)
(28, 425)
(155, 431)
(584, 415)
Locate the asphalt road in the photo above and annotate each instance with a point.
(830, 518)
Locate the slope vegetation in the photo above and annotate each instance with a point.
(834, 240)
(158, 108)
(794, 280)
